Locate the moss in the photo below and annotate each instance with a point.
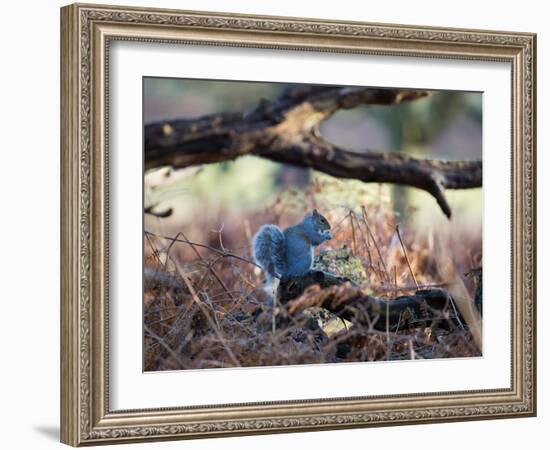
(341, 262)
(320, 318)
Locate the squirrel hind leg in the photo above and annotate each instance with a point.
(271, 288)
(268, 278)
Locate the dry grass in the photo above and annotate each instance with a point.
(205, 306)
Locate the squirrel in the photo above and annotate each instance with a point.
(288, 253)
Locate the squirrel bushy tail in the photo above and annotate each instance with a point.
(268, 247)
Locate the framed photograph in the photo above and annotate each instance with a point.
(276, 225)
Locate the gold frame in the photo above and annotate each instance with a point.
(86, 31)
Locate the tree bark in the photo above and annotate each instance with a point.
(287, 131)
(424, 308)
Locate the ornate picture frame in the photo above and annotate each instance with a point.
(87, 31)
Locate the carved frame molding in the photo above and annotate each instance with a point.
(86, 32)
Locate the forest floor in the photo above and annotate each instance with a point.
(205, 305)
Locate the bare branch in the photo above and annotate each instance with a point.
(286, 131)
(222, 253)
(162, 214)
(431, 176)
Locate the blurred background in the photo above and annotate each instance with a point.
(447, 125)
(218, 207)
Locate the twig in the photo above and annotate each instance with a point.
(388, 349)
(209, 267)
(464, 303)
(223, 253)
(366, 245)
(366, 242)
(199, 256)
(163, 344)
(450, 300)
(220, 238)
(207, 315)
(375, 243)
(169, 248)
(154, 249)
(175, 316)
(406, 255)
(353, 243)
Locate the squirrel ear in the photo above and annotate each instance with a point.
(315, 212)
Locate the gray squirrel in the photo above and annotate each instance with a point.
(288, 253)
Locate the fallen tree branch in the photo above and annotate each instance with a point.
(431, 176)
(287, 131)
(424, 308)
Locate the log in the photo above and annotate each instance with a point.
(424, 308)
